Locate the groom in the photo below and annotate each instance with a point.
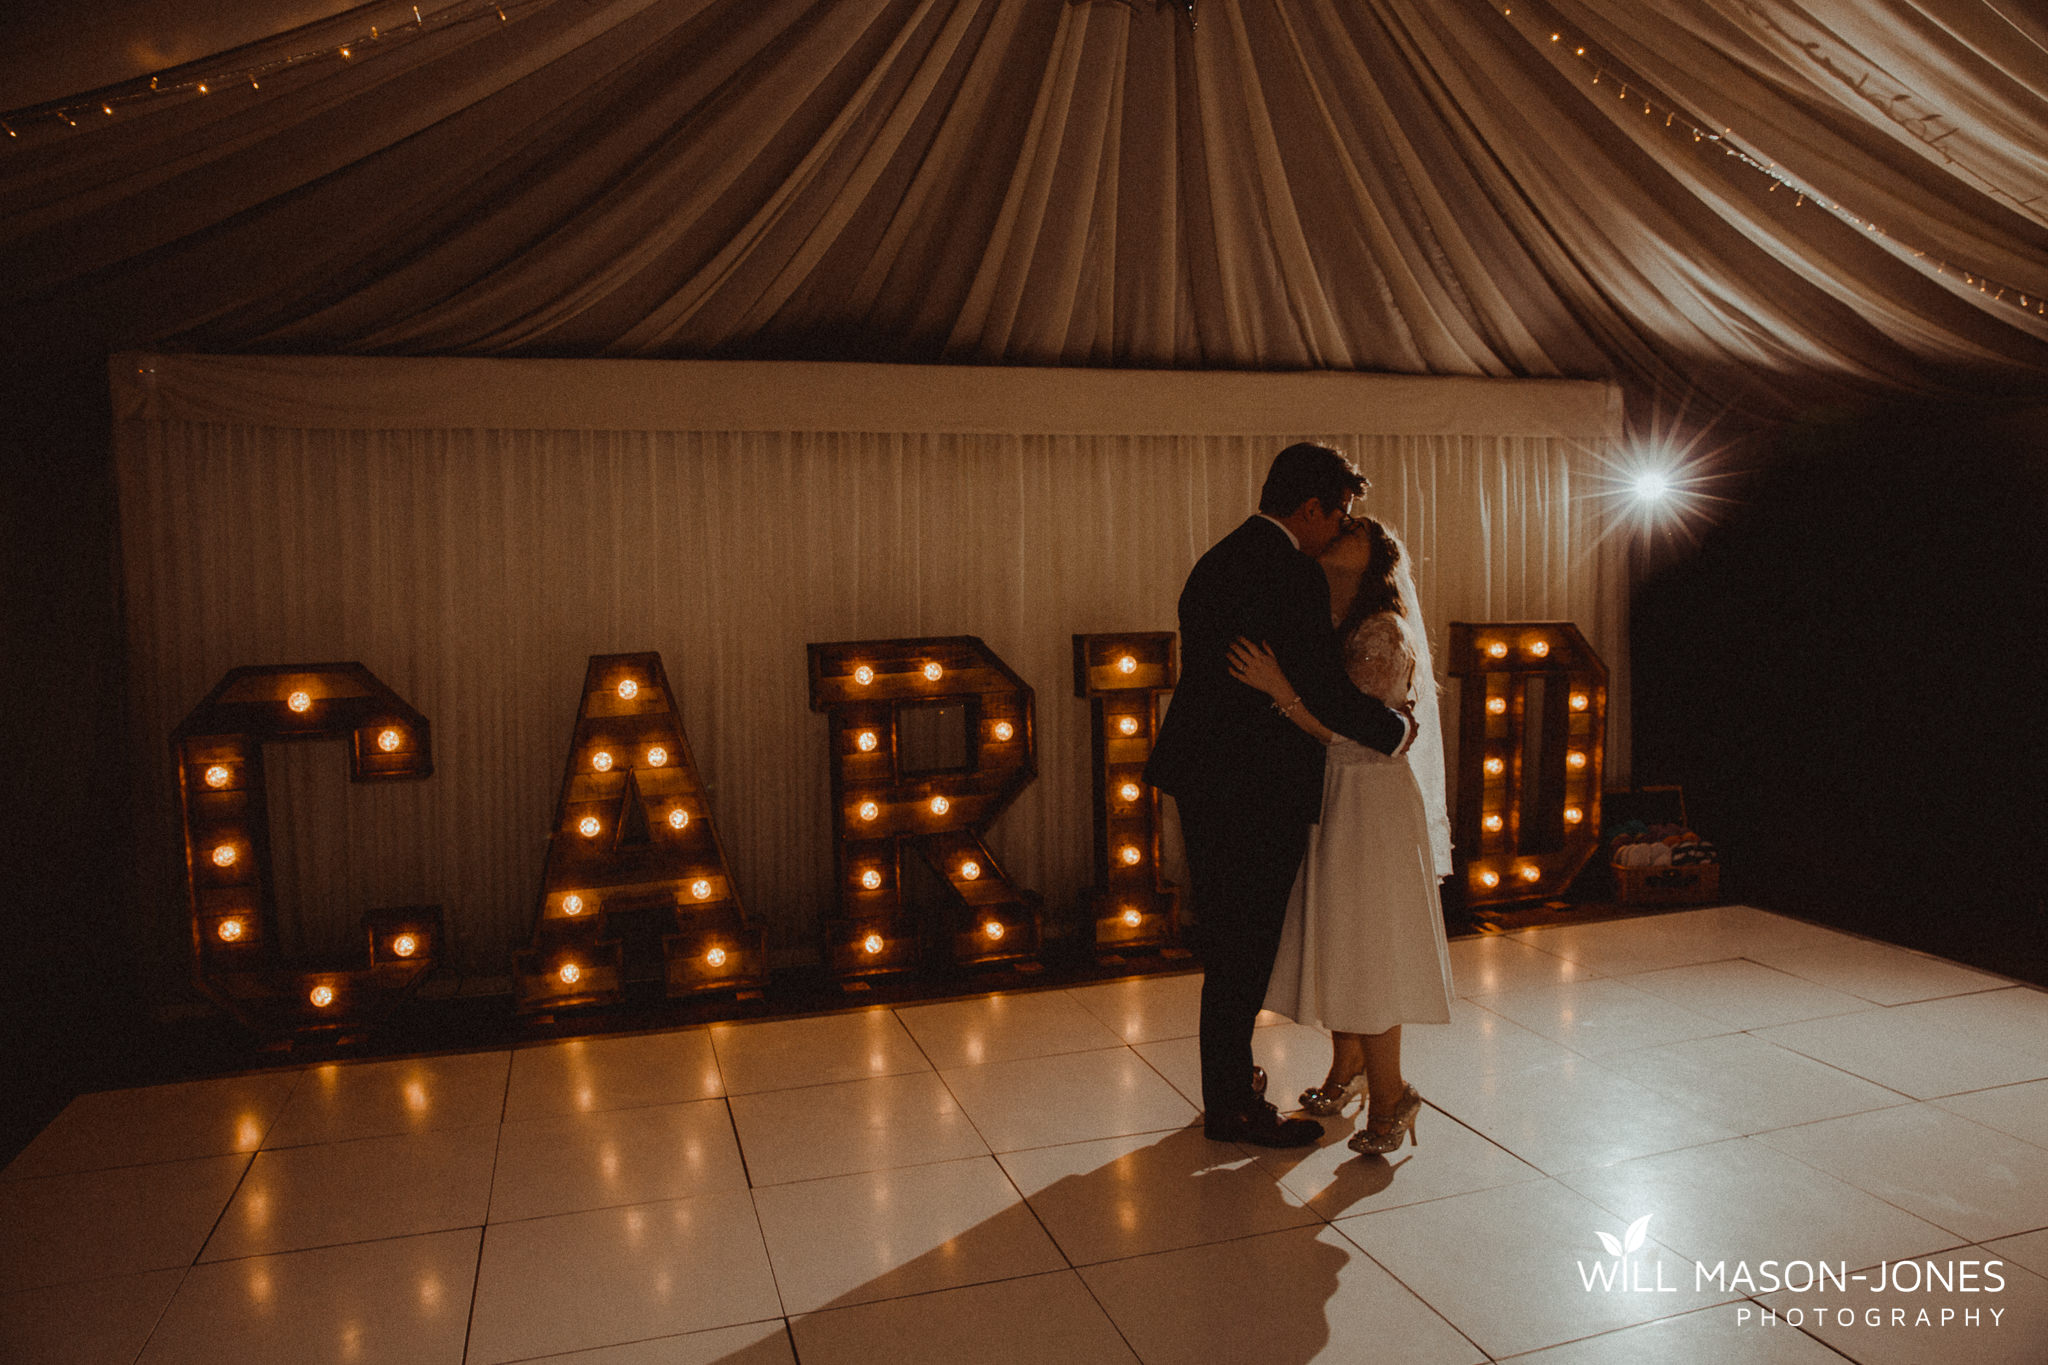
(1248, 782)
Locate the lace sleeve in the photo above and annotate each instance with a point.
(1379, 658)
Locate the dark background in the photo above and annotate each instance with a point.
(1849, 677)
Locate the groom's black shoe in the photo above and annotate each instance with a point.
(1262, 1126)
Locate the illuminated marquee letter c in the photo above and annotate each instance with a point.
(222, 791)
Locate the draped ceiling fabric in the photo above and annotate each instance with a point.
(472, 530)
(1405, 186)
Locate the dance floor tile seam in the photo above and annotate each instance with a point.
(600, 1353)
(941, 1174)
(25, 1164)
(243, 1256)
(1602, 1058)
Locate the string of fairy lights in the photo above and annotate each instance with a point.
(85, 111)
(1557, 38)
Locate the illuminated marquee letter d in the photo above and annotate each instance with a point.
(1532, 727)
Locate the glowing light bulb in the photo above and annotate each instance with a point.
(572, 904)
(1573, 815)
(869, 810)
(969, 870)
(657, 757)
(1529, 872)
(701, 889)
(229, 930)
(1128, 725)
(932, 672)
(1005, 731)
(389, 740)
(1539, 648)
(1575, 759)
(1651, 486)
(299, 701)
(217, 776)
(321, 996)
(1131, 855)
(940, 805)
(1130, 791)
(678, 818)
(628, 690)
(871, 945)
(1492, 823)
(405, 945)
(1580, 701)
(570, 974)
(1127, 664)
(1495, 767)
(863, 675)
(715, 958)
(1497, 649)
(993, 930)
(865, 741)
(1133, 917)
(1489, 880)
(871, 879)
(588, 826)
(1496, 706)
(224, 855)
(601, 761)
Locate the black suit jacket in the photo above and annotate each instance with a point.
(1222, 739)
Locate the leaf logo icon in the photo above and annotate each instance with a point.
(1637, 1233)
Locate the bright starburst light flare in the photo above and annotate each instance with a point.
(1659, 485)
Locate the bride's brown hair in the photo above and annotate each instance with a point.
(1378, 587)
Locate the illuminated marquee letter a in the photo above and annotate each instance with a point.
(634, 856)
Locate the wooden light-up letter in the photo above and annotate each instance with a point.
(634, 856)
(1122, 677)
(222, 795)
(930, 741)
(1532, 729)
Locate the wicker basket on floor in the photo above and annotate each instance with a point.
(1685, 884)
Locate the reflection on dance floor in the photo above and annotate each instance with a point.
(1013, 1177)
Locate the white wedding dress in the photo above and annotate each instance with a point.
(1363, 947)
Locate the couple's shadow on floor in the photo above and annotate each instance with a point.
(1183, 1249)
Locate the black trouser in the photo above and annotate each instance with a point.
(1242, 864)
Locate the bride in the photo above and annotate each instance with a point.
(1363, 948)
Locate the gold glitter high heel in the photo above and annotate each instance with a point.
(1386, 1135)
(1328, 1101)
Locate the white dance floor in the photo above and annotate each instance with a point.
(1013, 1178)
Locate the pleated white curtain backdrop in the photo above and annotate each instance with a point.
(474, 569)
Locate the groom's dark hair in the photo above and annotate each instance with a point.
(1306, 470)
